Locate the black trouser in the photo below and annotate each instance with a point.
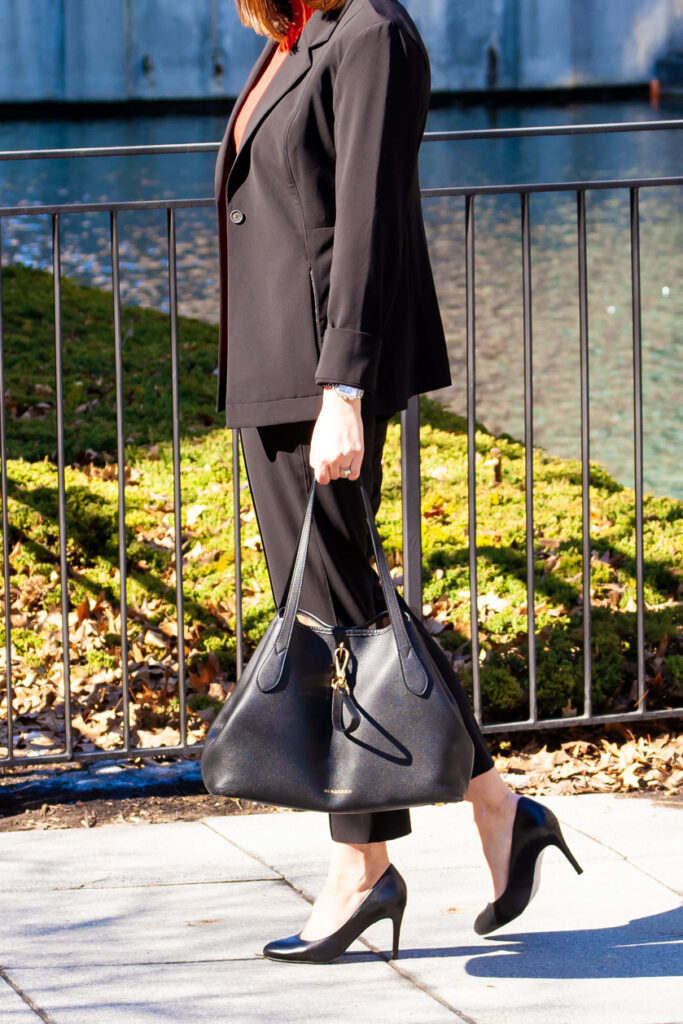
(340, 586)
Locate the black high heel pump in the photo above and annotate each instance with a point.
(386, 899)
(535, 828)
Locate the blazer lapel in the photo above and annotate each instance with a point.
(316, 31)
(226, 152)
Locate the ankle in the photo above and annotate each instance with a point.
(495, 805)
(358, 867)
(359, 876)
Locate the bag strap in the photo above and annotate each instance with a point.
(414, 675)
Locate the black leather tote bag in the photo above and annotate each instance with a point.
(339, 718)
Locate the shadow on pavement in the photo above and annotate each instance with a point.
(647, 947)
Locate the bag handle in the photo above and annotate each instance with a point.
(414, 675)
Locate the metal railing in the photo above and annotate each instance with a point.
(410, 438)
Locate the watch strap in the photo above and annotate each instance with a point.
(345, 390)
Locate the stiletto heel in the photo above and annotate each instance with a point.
(396, 919)
(534, 829)
(561, 845)
(386, 899)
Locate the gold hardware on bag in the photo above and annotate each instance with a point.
(341, 660)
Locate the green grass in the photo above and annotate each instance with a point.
(89, 369)
(208, 523)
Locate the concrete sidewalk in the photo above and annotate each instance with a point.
(134, 924)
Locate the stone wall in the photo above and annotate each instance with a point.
(161, 49)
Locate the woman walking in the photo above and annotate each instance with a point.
(329, 323)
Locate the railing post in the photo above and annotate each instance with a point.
(236, 503)
(529, 453)
(121, 461)
(59, 399)
(472, 451)
(177, 497)
(5, 531)
(638, 439)
(412, 505)
(585, 453)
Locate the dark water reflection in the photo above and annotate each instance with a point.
(498, 268)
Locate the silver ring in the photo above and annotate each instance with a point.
(347, 471)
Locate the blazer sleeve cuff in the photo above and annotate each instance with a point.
(349, 357)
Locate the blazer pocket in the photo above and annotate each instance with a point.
(316, 311)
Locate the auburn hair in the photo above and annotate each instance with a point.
(274, 17)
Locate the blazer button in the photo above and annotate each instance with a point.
(236, 216)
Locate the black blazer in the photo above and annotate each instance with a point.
(323, 263)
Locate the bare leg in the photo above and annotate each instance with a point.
(494, 807)
(354, 869)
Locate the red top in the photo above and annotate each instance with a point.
(301, 14)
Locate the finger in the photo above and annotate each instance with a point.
(356, 466)
(342, 463)
(317, 464)
(354, 462)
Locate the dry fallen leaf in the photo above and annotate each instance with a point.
(193, 512)
(167, 737)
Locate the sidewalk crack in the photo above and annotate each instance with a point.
(623, 856)
(405, 975)
(44, 1016)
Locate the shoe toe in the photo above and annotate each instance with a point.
(487, 921)
(284, 949)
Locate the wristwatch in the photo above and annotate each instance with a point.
(345, 390)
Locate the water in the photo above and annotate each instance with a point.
(498, 266)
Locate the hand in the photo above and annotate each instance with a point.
(337, 439)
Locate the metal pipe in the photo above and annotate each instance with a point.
(547, 186)
(426, 193)
(193, 750)
(140, 204)
(585, 452)
(5, 529)
(554, 130)
(236, 503)
(564, 723)
(59, 400)
(411, 499)
(529, 455)
(472, 451)
(121, 462)
(638, 440)
(83, 152)
(177, 500)
(449, 136)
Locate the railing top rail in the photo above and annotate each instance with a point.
(166, 149)
(118, 207)
(549, 186)
(553, 130)
(427, 193)
(170, 149)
